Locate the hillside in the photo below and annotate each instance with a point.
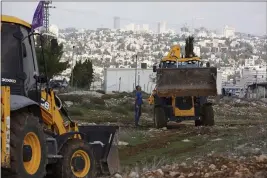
(110, 48)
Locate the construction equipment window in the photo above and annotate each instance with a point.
(10, 48)
(28, 59)
(189, 64)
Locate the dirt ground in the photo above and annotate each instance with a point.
(184, 144)
(235, 147)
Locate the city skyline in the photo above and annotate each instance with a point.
(245, 17)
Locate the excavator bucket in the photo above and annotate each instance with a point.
(113, 157)
(104, 144)
(186, 81)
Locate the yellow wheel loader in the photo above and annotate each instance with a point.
(38, 138)
(182, 88)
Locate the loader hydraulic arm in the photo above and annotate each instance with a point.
(52, 116)
(173, 54)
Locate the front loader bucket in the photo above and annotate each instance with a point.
(186, 82)
(106, 152)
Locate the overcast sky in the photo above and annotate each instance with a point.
(249, 17)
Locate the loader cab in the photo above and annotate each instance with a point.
(173, 64)
(19, 66)
(189, 64)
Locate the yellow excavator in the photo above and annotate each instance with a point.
(38, 137)
(182, 87)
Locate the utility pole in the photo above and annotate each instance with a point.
(72, 65)
(119, 84)
(135, 70)
(138, 79)
(46, 14)
(257, 83)
(264, 91)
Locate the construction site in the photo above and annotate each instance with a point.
(186, 127)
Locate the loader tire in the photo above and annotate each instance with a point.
(160, 119)
(26, 133)
(207, 118)
(85, 164)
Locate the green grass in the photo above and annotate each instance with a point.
(120, 110)
(75, 111)
(134, 137)
(171, 148)
(169, 151)
(95, 109)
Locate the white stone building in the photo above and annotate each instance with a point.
(130, 27)
(123, 79)
(54, 30)
(229, 31)
(197, 50)
(253, 74)
(161, 27)
(145, 27)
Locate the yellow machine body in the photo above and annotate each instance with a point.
(51, 115)
(179, 112)
(5, 127)
(182, 88)
(176, 111)
(174, 55)
(46, 121)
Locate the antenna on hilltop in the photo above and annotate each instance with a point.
(46, 14)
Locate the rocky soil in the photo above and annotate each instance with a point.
(212, 166)
(235, 147)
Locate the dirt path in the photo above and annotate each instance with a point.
(185, 143)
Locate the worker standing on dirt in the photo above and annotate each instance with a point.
(138, 104)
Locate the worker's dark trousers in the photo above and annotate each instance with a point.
(137, 114)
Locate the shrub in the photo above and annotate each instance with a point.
(120, 110)
(128, 106)
(87, 105)
(75, 112)
(95, 100)
(72, 98)
(90, 105)
(100, 91)
(107, 96)
(241, 104)
(123, 94)
(99, 107)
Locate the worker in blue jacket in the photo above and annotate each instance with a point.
(138, 104)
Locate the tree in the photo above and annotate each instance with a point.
(83, 74)
(52, 58)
